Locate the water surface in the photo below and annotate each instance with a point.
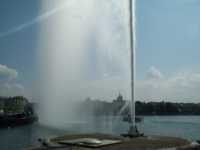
(180, 126)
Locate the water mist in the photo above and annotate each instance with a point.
(84, 52)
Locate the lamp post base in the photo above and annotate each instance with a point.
(133, 132)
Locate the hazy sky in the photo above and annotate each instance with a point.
(168, 47)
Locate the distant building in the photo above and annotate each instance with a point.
(13, 105)
(118, 104)
(119, 99)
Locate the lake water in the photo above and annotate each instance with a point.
(180, 126)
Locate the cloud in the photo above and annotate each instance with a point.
(182, 86)
(11, 89)
(154, 73)
(8, 84)
(179, 87)
(7, 73)
(32, 22)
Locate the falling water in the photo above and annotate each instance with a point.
(84, 51)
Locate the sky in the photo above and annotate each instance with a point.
(168, 48)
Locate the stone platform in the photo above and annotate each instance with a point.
(140, 143)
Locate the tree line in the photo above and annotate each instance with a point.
(122, 107)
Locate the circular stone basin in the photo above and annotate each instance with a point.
(140, 143)
(90, 141)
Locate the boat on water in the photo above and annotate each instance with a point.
(12, 120)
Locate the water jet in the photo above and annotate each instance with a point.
(141, 142)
